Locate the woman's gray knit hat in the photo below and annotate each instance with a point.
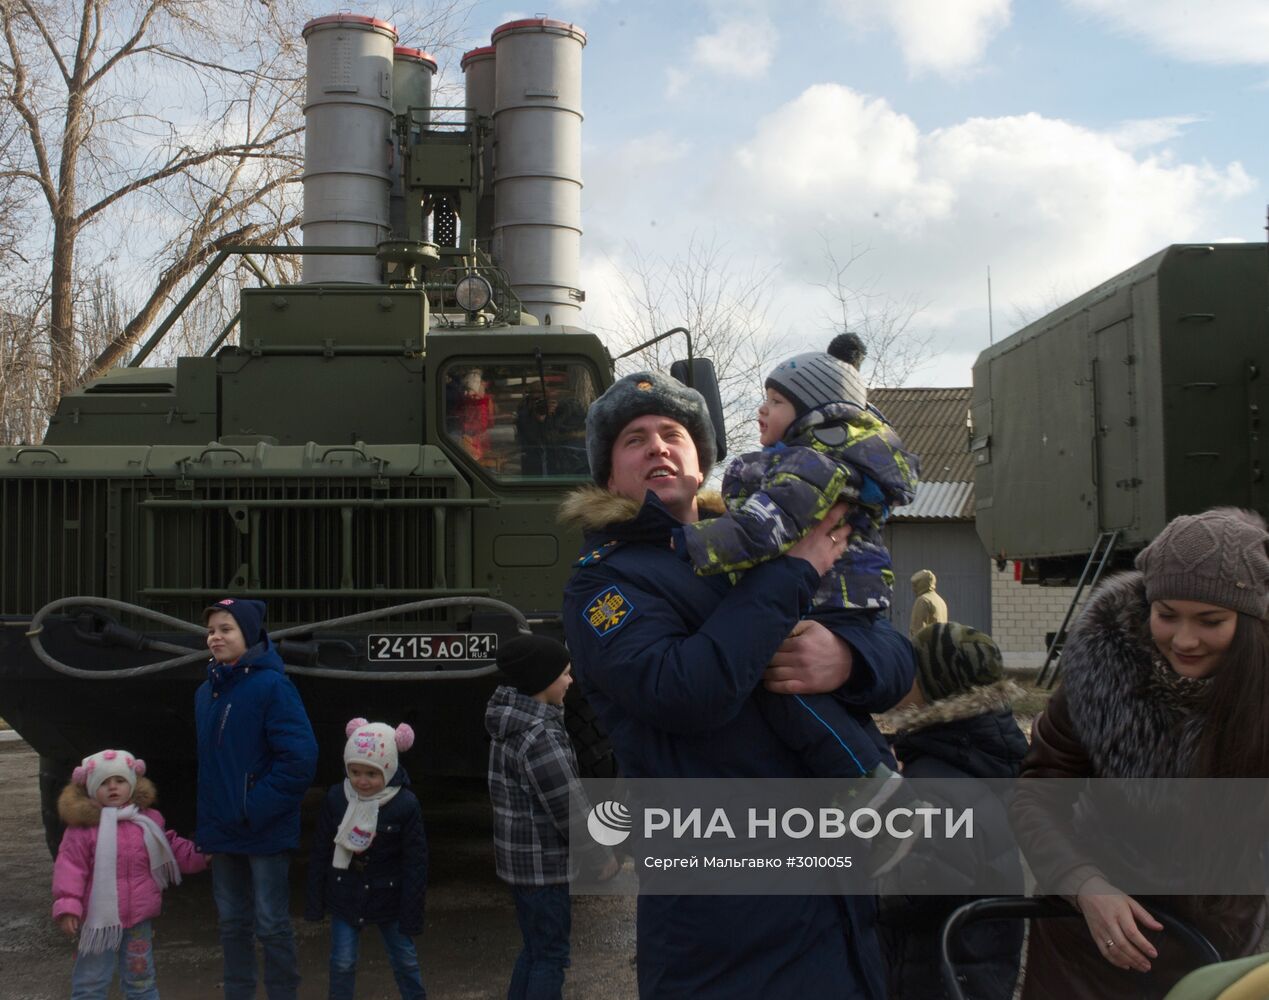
(636, 396)
(1218, 557)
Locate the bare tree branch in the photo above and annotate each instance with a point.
(180, 165)
(896, 351)
(725, 309)
(157, 131)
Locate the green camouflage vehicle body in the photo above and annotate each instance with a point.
(316, 467)
(1138, 401)
(390, 431)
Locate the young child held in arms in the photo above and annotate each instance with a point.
(369, 860)
(113, 864)
(822, 443)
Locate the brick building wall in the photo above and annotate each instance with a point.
(1021, 614)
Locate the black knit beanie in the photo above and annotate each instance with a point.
(532, 662)
(1217, 557)
(953, 658)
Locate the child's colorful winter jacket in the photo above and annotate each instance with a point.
(140, 897)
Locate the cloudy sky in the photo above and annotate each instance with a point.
(1055, 143)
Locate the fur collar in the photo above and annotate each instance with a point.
(593, 508)
(1126, 729)
(987, 699)
(75, 808)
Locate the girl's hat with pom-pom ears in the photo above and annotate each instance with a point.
(96, 768)
(376, 744)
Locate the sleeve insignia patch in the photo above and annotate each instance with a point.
(607, 611)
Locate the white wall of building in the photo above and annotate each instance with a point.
(1021, 614)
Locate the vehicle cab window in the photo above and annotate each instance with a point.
(521, 421)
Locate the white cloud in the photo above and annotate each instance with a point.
(1139, 133)
(676, 81)
(1046, 203)
(630, 187)
(1216, 31)
(741, 48)
(936, 36)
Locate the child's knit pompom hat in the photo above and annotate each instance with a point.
(108, 764)
(816, 378)
(376, 744)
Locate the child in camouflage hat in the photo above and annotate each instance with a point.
(822, 443)
(956, 728)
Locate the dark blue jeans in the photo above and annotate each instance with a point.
(344, 939)
(544, 913)
(253, 898)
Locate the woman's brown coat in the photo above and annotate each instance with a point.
(1102, 723)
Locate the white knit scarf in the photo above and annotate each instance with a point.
(102, 930)
(361, 819)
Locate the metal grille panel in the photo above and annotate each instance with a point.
(315, 548)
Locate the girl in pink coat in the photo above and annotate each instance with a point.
(114, 862)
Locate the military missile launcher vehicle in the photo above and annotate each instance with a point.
(1140, 400)
(395, 431)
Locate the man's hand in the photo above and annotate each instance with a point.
(812, 660)
(826, 542)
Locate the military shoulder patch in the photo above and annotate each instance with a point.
(607, 611)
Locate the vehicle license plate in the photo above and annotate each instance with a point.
(434, 647)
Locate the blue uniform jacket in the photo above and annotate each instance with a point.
(387, 882)
(256, 758)
(669, 661)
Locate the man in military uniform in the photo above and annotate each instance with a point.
(669, 660)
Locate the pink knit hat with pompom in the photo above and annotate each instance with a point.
(376, 744)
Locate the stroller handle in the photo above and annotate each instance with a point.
(1030, 907)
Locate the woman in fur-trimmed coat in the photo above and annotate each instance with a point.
(1165, 675)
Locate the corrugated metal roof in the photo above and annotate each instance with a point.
(933, 425)
(954, 501)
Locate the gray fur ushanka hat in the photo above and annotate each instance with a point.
(636, 396)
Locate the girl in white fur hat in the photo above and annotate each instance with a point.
(369, 860)
(113, 864)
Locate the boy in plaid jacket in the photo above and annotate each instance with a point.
(532, 776)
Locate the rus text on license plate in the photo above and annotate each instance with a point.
(436, 647)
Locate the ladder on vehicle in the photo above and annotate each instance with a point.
(1098, 560)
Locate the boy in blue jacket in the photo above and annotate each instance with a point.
(369, 860)
(256, 759)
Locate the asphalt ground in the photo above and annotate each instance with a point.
(467, 949)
